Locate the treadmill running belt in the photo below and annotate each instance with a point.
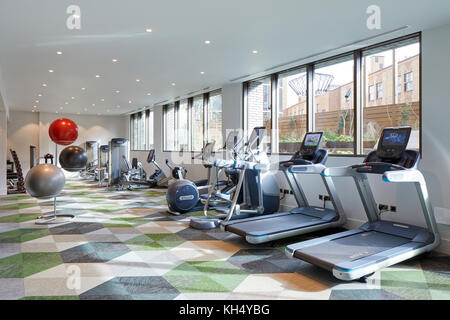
(352, 247)
(276, 224)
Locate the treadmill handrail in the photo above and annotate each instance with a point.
(307, 168)
(339, 172)
(407, 175)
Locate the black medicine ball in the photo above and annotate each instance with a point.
(73, 159)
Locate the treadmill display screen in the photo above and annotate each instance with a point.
(151, 155)
(312, 139)
(394, 139)
(393, 142)
(311, 143)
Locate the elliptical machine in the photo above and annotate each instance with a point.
(260, 190)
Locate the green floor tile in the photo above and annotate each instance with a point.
(409, 284)
(16, 197)
(25, 264)
(18, 206)
(20, 217)
(23, 235)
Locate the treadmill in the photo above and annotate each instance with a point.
(310, 159)
(358, 253)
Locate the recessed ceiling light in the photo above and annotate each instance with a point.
(117, 91)
(83, 88)
(93, 104)
(118, 106)
(149, 94)
(137, 80)
(129, 101)
(255, 51)
(50, 70)
(66, 102)
(34, 106)
(37, 101)
(207, 41)
(73, 98)
(32, 110)
(59, 52)
(115, 60)
(173, 83)
(202, 72)
(44, 84)
(97, 76)
(39, 95)
(102, 99)
(148, 30)
(56, 111)
(61, 108)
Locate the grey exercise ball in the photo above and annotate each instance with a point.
(44, 181)
(73, 159)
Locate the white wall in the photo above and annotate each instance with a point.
(27, 128)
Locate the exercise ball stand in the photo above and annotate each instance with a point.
(52, 218)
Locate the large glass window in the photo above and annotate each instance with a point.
(333, 104)
(214, 128)
(380, 83)
(184, 122)
(150, 128)
(197, 123)
(134, 131)
(183, 126)
(259, 105)
(386, 66)
(169, 125)
(292, 110)
(142, 131)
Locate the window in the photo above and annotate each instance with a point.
(371, 93)
(141, 130)
(197, 123)
(214, 125)
(399, 84)
(169, 125)
(259, 100)
(409, 81)
(401, 109)
(380, 90)
(291, 110)
(150, 128)
(185, 128)
(333, 112)
(134, 131)
(351, 97)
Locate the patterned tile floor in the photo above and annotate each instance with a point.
(123, 245)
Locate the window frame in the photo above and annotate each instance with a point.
(190, 103)
(358, 95)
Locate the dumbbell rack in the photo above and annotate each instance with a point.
(20, 185)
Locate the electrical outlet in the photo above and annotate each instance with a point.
(320, 197)
(383, 207)
(393, 209)
(291, 192)
(327, 198)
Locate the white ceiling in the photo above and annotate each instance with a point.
(283, 30)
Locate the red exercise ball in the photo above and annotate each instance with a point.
(63, 131)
